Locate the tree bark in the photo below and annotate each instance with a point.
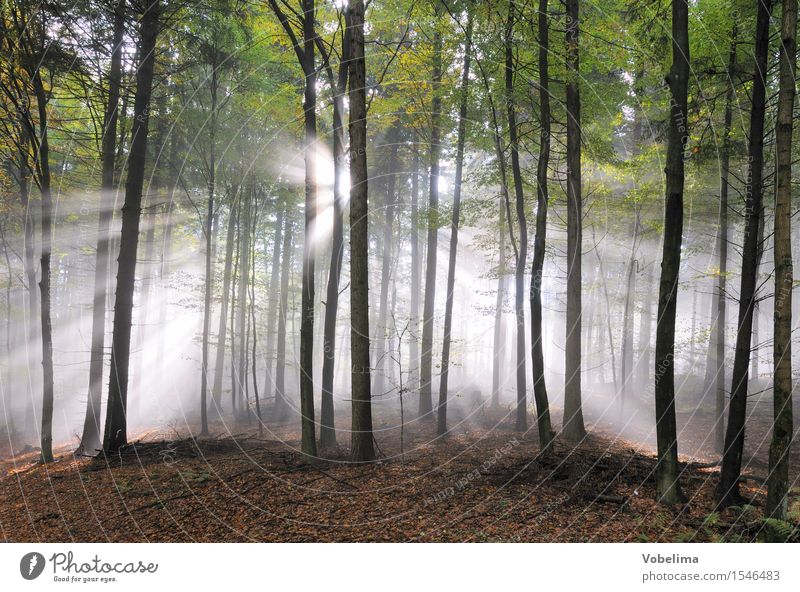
(281, 403)
(727, 492)
(91, 438)
(537, 266)
(116, 422)
(362, 447)
(574, 429)
(429, 304)
(778, 482)
(668, 488)
(717, 361)
(451, 267)
(522, 255)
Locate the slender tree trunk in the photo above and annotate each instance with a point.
(717, 361)
(522, 255)
(499, 334)
(327, 432)
(429, 304)
(778, 482)
(91, 438)
(362, 439)
(209, 236)
(668, 488)
(573, 413)
(273, 298)
(627, 319)
(380, 366)
(727, 492)
(43, 166)
(241, 311)
(116, 422)
(281, 403)
(413, 340)
(451, 267)
(537, 266)
(223, 315)
(309, 439)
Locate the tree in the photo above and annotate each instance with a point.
(537, 266)
(429, 302)
(727, 491)
(115, 435)
(573, 413)
(778, 482)
(668, 488)
(362, 448)
(304, 51)
(91, 438)
(451, 266)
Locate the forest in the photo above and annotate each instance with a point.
(398, 270)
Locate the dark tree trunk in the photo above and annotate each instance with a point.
(309, 439)
(43, 173)
(91, 438)
(778, 482)
(327, 432)
(362, 439)
(537, 266)
(209, 258)
(451, 267)
(727, 492)
(241, 311)
(717, 362)
(116, 422)
(668, 488)
(223, 315)
(522, 255)
(429, 304)
(573, 413)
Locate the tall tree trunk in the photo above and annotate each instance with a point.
(413, 314)
(522, 256)
(209, 236)
(309, 439)
(727, 492)
(451, 267)
(43, 166)
(499, 334)
(380, 366)
(537, 266)
(241, 311)
(573, 412)
(91, 438)
(327, 431)
(668, 488)
(223, 315)
(778, 482)
(717, 361)
(628, 376)
(362, 446)
(273, 297)
(116, 422)
(429, 304)
(281, 402)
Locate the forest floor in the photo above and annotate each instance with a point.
(483, 482)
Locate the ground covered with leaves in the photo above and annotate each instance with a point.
(483, 482)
